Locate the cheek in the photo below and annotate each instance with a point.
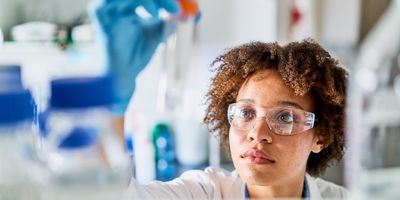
(235, 141)
(296, 150)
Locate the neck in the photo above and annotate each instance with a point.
(288, 189)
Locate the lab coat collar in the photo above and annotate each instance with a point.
(311, 192)
(315, 194)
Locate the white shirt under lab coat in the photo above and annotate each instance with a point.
(214, 183)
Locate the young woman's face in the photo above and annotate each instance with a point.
(260, 156)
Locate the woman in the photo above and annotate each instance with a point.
(280, 110)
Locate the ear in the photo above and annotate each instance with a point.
(318, 144)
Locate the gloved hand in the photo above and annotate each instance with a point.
(128, 40)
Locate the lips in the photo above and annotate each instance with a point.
(256, 156)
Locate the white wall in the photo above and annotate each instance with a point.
(231, 22)
(341, 21)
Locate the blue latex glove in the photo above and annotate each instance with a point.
(129, 41)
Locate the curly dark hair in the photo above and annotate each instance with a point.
(306, 68)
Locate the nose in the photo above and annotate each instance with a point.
(261, 132)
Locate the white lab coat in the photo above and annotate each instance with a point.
(213, 183)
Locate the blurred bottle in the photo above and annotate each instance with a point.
(191, 141)
(16, 145)
(145, 169)
(130, 148)
(11, 80)
(163, 141)
(86, 160)
(34, 31)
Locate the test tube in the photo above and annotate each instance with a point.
(177, 54)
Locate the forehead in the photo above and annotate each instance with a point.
(267, 88)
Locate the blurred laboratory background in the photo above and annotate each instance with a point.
(51, 39)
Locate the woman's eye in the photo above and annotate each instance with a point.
(247, 114)
(284, 118)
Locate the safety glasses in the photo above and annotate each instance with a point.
(280, 120)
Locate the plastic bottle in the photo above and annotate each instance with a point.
(16, 145)
(144, 152)
(11, 79)
(86, 159)
(165, 159)
(130, 147)
(191, 141)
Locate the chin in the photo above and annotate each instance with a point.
(254, 180)
(256, 176)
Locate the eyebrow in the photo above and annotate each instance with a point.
(282, 103)
(290, 103)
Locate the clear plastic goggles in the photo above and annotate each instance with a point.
(280, 120)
